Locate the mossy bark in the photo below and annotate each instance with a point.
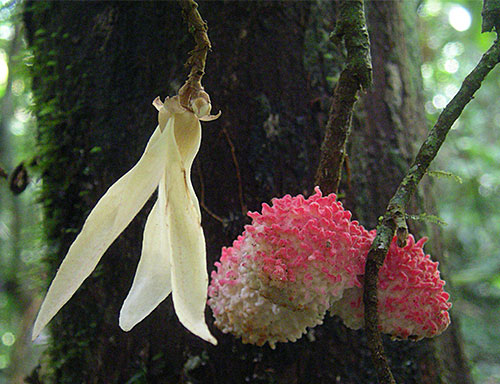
(98, 66)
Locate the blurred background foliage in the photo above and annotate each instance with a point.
(452, 44)
(469, 203)
(21, 244)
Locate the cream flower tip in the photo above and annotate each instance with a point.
(127, 322)
(201, 330)
(207, 336)
(173, 251)
(152, 281)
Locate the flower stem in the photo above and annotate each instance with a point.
(198, 55)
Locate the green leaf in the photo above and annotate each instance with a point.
(440, 174)
(40, 32)
(496, 282)
(425, 217)
(96, 150)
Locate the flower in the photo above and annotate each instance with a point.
(289, 266)
(411, 300)
(173, 249)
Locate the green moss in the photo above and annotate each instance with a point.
(60, 148)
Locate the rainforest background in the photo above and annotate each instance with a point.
(76, 84)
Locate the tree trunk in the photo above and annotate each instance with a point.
(97, 67)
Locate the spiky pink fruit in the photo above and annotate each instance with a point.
(287, 268)
(412, 303)
(301, 257)
(240, 308)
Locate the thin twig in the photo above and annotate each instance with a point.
(202, 195)
(244, 208)
(211, 213)
(198, 55)
(197, 59)
(351, 26)
(394, 218)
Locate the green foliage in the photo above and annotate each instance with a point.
(445, 174)
(471, 153)
(20, 236)
(427, 218)
(320, 51)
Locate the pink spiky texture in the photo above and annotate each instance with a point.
(412, 303)
(302, 257)
(294, 260)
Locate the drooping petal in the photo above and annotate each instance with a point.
(152, 283)
(189, 270)
(187, 130)
(186, 139)
(108, 219)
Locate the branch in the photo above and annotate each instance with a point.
(198, 55)
(393, 220)
(357, 75)
(491, 15)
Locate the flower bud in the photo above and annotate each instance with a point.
(201, 104)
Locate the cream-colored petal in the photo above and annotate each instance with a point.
(163, 113)
(152, 282)
(187, 131)
(108, 219)
(173, 105)
(157, 103)
(189, 270)
(211, 117)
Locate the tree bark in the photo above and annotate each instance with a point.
(97, 67)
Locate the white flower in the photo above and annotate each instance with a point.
(173, 250)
